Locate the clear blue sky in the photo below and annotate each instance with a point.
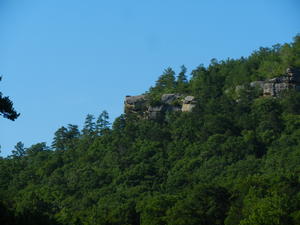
(63, 59)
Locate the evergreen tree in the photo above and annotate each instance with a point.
(63, 137)
(182, 82)
(102, 123)
(167, 80)
(59, 139)
(19, 150)
(6, 107)
(36, 148)
(89, 127)
(181, 77)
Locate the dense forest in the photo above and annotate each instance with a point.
(233, 160)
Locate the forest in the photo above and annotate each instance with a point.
(233, 160)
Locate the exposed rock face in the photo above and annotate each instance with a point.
(169, 98)
(135, 104)
(155, 112)
(290, 80)
(189, 103)
(273, 87)
(168, 103)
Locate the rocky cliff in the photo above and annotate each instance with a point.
(141, 106)
(173, 102)
(273, 87)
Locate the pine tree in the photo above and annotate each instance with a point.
(166, 80)
(181, 78)
(6, 108)
(89, 127)
(64, 137)
(102, 123)
(182, 82)
(19, 150)
(59, 139)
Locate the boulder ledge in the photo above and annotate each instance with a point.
(172, 102)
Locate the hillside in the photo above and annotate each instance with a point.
(232, 158)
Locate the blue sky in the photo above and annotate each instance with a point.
(63, 59)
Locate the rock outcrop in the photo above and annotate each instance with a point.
(273, 87)
(135, 104)
(168, 103)
(189, 103)
(173, 102)
(290, 80)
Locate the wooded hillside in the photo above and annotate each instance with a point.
(233, 160)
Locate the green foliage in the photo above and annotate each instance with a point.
(65, 138)
(19, 150)
(6, 107)
(89, 127)
(203, 205)
(102, 123)
(234, 160)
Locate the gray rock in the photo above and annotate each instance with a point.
(156, 108)
(169, 98)
(189, 99)
(154, 112)
(131, 100)
(290, 80)
(273, 86)
(135, 104)
(169, 103)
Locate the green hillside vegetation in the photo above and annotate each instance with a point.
(232, 162)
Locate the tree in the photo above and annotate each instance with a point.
(59, 138)
(19, 150)
(204, 205)
(181, 77)
(6, 107)
(89, 127)
(182, 82)
(102, 123)
(166, 80)
(166, 83)
(65, 137)
(39, 147)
